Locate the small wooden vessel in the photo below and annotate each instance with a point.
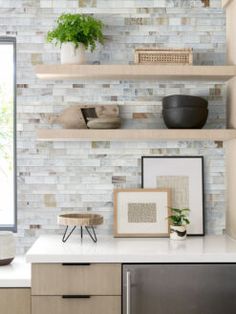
(79, 219)
(104, 123)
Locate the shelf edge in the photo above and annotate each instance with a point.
(135, 72)
(135, 135)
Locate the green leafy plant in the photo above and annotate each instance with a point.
(179, 217)
(77, 28)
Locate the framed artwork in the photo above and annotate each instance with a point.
(184, 177)
(141, 212)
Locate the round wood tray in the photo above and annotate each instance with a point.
(79, 219)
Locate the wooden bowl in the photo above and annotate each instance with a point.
(104, 123)
(79, 219)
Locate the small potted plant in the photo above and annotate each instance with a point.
(178, 223)
(75, 33)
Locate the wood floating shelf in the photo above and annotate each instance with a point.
(135, 72)
(225, 3)
(135, 135)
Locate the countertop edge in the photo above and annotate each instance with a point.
(211, 258)
(21, 283)
(208, 249)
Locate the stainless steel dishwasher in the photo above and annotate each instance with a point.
(179, 288)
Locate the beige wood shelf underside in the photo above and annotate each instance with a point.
(134, 135)
(135, 72)
(225, 3)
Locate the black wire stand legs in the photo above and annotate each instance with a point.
(66, 237)
(92, 234)
(90, 230)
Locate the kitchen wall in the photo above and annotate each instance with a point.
(53, 177)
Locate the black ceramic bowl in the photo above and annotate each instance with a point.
(176, 101)
(185, 118)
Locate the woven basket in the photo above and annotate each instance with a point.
(164, 56)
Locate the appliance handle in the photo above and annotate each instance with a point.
(128, 292)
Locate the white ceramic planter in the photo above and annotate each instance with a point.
(178, 232)
(72, 55)
(7, 247)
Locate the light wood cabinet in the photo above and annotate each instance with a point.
(92, 305)
(76, 288)
(88, 279)
(15, 301)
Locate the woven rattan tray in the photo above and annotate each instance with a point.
(163, 56)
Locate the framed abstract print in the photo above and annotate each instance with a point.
(184, 177)
(141, 212)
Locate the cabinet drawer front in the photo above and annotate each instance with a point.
(92, 305)
(15, 301)
(90, 279)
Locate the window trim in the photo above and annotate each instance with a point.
(3, 41)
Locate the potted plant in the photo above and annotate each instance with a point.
(75, 33)
(178, 223)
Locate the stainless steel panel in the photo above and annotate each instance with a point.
(180, 289)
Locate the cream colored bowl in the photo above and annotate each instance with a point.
(7, 247)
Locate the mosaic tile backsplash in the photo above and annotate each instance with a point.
(59, 176)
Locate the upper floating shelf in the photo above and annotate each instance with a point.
(135, 72)
(135, 135)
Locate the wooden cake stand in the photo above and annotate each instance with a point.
(88, 221)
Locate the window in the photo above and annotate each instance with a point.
(7, 133)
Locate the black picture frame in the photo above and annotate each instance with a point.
(202, 182)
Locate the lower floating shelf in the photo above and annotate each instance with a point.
(135, 135)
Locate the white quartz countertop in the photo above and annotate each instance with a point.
(16, 275)
(208, 249)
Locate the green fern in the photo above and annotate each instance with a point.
(179, 217)
(77, 28)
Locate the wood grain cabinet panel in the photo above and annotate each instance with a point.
(85, 279)
(15, 301)
(93, 305)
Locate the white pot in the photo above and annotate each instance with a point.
(178, 232)
(7, 247)
(72, 55)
